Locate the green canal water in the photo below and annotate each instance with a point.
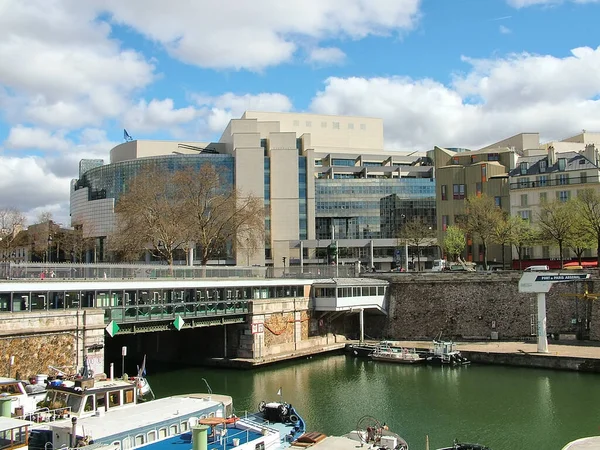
(504, 407)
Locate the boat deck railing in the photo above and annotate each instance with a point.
(45, 415)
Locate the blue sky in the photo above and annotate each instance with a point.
(459, 73)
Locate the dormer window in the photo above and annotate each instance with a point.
(524, 166)
(543, 165)
(562, 163)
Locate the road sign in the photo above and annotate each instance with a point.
(562, 277)
(112, 328)
(178, 323)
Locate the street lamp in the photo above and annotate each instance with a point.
(49, 249)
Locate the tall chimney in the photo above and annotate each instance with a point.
(591, 153)
(551, 156)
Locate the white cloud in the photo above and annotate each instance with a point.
(218, 111)
(255, 35)
(326, 56)
(27, 138)
(526, 3)
(60, 65)
(156, 115)
(495, 99)
(504, 29)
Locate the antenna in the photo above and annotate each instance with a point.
(208, 386)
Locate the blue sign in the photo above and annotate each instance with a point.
(560, 277)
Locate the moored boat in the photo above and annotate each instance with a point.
(445, 353)
(465, 446)
(24, 395)
(385, 351)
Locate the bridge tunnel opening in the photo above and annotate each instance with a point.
(168, 350)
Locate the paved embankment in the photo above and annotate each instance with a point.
(584, 358)
(249, 363)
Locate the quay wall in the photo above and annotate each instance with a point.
(480, 307)
(51, 338)
(538, 361)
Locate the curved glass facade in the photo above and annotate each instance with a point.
(109, 181)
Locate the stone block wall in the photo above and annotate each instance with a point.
(473, 306)
(60, 339)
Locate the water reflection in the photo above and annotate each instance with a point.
(506, 408)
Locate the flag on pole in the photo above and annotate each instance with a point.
(279, 392)
(126, 135)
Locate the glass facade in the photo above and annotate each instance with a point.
(354, 206)
(110, 181)
(302, 198)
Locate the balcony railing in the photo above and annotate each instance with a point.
(537, 184)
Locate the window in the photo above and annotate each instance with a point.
(308, 123)
(546, 252)
(524, 200)
(542, 180)
(563, 178)
(351, 126)
(473, 159)
(444, 223)
(498, 201)
(523, 168)
(562, 163)
(336, 125)
(478, 189)
(454, 160)
(444, 192)
(114, 398)
(583, 177)
(363, 126)
(543, 165)
(563, 196)
(493, 157)
(458, 191)
(525, 215)
(483, 172)
(524, 182)
(323, 124)
(543, 197)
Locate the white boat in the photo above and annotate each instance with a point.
(24, 395)
(445, 353)
(385, 351)
(170, 421)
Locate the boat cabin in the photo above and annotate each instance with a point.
(24, 396)
(88, 397)
(14, 433)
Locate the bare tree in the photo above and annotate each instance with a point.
(416, 233)
(12, 222)
(503, 233)
(481, 219)
(588, 205)
(150, 216)
(555, 223)
(217, 215)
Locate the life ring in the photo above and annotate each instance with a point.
(293, 418)
(233, 419)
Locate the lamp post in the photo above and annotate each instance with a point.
(49, 249)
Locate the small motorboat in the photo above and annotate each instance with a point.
(385, 351)
(464, 446)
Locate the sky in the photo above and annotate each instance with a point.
(453, 73)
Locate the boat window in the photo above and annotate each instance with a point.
(203, 416)
(162, 433)
(114, 399)
(89, 403)
(117, 444)
(139, 440)
(173, 430)
(126, 443)
(129, 396)
(380, 290)
(73, 401)
(9, 389)
(152, 436)
(184, 426)
(260, 446)
(212, 414)
(100, 401)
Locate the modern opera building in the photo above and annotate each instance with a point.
(322, 179)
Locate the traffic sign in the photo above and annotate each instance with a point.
(563, 277)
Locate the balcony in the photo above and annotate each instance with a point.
(537, 184)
